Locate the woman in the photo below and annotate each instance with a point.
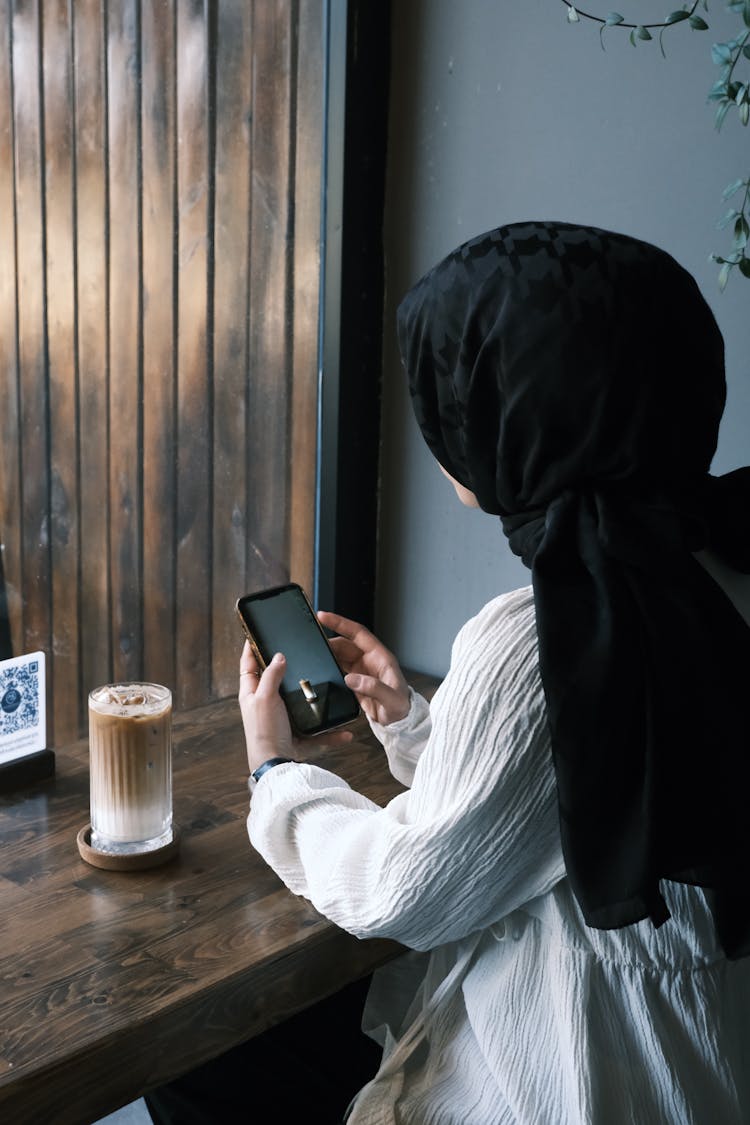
(574, 845)
(570, 862)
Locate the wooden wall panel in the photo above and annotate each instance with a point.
(159, 327)
(34, 580)
(307, 136)
(268, 451)
(10, 449)
(160, 166)
(125, 329)
(61, 358)
(194, 401)
(234, 113)
(92, 322)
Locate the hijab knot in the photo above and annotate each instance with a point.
(646, 530)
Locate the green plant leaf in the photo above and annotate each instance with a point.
(573, 16)
(643, 32)
(611, 21)
(741, 233)
(720, 53)
(744, 112)
(721, 114)
(730, 189)
(677, 17)
(697, 23)
(730, 217)
(724, 276)
(746, 13)
(744, 265)
(631, 37)
(746, 50)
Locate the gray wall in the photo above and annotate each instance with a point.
(502, 111)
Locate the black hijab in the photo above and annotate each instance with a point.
(573, 379)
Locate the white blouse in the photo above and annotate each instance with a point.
(516, 1013)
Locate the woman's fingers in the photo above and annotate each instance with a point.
(362, 638)
(346, 652)
(332, 738)
(253, 682)
(357, 646)
(249, 672)
(270, 681)
(393, 702)
(369, 686)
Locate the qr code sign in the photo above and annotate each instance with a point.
(19, 697)
(23, 719)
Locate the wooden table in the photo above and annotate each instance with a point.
(111, 983)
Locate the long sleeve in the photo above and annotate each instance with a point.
(404, 741)
(475, 836)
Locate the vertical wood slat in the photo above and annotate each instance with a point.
(267, 468)
(159, 361)
(125, 419)
(34, 405)
(193, 404)
(234, 109)
(308, 146)
(62, 358)
(92, 291)
(167, 311)
(10, 465)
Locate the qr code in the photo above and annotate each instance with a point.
(19, 697)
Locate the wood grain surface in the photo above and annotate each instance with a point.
(160, 190)
(111, 983)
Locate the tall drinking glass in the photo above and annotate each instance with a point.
(130, 747)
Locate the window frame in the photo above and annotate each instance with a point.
(351, 324)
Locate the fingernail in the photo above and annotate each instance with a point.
(279, 658)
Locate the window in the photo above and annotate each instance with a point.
(160, 193)
(163, 445)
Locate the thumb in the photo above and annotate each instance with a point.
(270, 681)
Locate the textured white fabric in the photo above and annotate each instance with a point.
(520, 1014)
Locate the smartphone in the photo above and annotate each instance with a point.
(282, 620)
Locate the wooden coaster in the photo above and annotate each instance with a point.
(139, 861)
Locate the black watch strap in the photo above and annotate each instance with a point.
(256, 775)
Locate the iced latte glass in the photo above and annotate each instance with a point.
(130, 747)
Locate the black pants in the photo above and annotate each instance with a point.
(305, 1070)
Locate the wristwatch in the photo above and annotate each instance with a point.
(256, 775)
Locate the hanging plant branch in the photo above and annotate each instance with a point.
(731, 90)
(738, 219)
(640, 31)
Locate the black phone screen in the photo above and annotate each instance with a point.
(313, 688)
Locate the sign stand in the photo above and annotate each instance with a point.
(19, 773)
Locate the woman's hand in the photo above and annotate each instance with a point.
(268, 733)
(372, 671)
